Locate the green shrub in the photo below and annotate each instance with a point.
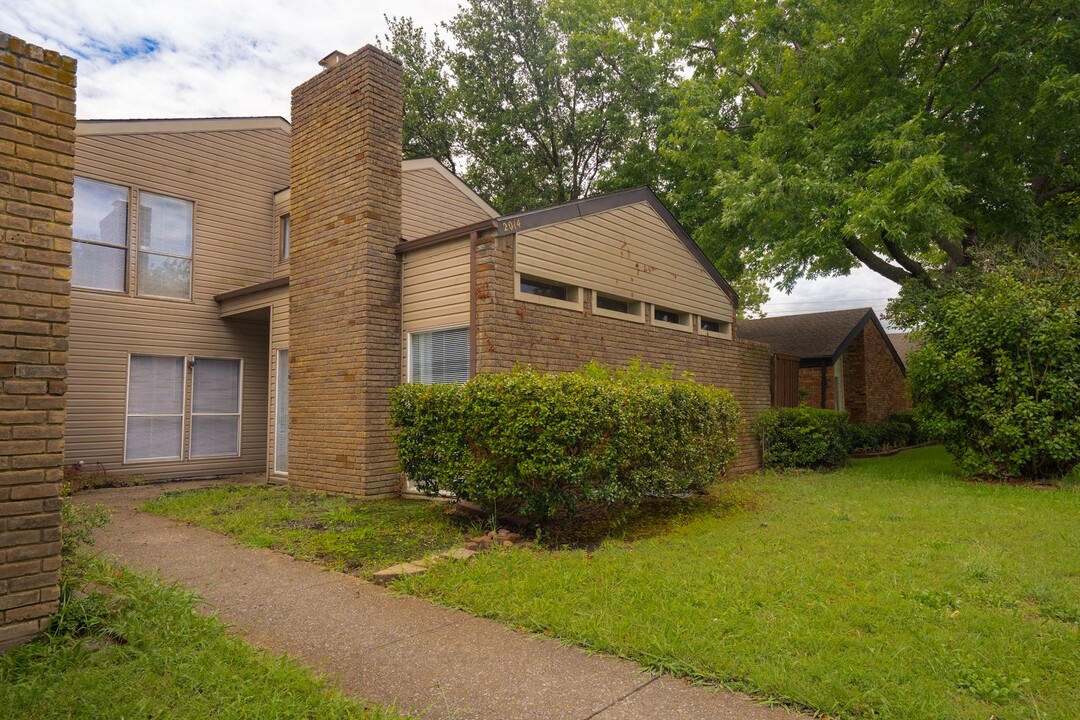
(900, 430)
(537, 444)
(803, 437)
(997, 378)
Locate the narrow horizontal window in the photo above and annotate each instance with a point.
(165, 246)
(99, 251)
(717, 327)
(669, 316)
(612, 304)
(541, 288)
(439, 356)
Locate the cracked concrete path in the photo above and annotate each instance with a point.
(432, 662)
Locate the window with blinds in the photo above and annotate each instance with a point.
(281, 414)
(155, 408)
(439, 356)
(215, 408)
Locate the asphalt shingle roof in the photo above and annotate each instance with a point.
(809, 335)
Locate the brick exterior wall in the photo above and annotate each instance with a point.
(37, 148)
(345, 279)
(509, 331)
(874, 385)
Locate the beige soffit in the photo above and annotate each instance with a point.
(433, 164)
(87, 128)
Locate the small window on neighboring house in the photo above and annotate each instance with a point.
(99, 251)
(215, 408)
(155, 408)
(719, 328)
(439, 356)
(285, 227)
(165, 243)
(609, 306)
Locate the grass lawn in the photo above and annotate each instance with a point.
(359, 536)
(139, 650)
(890, 589)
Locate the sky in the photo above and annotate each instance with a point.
(167, 59)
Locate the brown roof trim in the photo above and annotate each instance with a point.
(252, 289)
(520, 222)
(444, 236)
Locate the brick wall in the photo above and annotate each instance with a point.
(886, 384)
(345, 279)
(37, 149)
(510, 331)
(810, 383)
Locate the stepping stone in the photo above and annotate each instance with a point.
(395, 572)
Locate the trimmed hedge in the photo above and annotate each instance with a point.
(900, 430)
(537, 444)
(803, 437)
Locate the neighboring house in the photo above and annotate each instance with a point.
(845, 360)
(903, 344)
(247, 292)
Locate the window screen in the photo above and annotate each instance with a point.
(439, 356)
(215, 408)
(155, 409)
(100, 234)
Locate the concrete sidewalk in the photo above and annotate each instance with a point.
(431, 661)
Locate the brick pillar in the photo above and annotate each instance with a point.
(37, 157)
(345, 279)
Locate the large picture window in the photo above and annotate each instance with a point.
(155, 408)
(99, 251)
(165, 241)
(439, 356)
(215, 408)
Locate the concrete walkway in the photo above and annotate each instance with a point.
(431, 661)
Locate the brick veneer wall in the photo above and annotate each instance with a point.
(345, 279)
(510, 331)
(37, 149)
(886, 384)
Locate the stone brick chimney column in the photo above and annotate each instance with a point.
(37, 160)
(345, 279)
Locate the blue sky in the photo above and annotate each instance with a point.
(199, 58)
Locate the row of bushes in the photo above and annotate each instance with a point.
(821, 439)
(538, 444)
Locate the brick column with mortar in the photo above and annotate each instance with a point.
(37, 149)
(345, 279)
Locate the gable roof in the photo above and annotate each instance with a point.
(903, 344)
(816, 338)
(520, 222)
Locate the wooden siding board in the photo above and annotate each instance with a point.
(435, 290)
(431, 204)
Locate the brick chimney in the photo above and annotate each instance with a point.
(345, 279)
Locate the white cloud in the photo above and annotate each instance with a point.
(202, 58)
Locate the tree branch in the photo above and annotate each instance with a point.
(906, 261)
(957, 256)
(867, 257)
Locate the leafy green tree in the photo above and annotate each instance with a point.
(818, 135)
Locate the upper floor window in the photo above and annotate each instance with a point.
(547, 292)
(676, 319)
(622, 308)
(709, 326)
(99, 251)
(165, 240)
(532, 286)
(285, 228)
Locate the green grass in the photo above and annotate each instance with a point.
(890, 589)
(135, 648)
(358, 536)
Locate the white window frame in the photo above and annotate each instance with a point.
(574, 296)
(284, 236)
(190, 407)
(637, 308)
(424, 331)
(277, 411)
(684, 326)
(182, 415)
(139, 249)
(725, 327)
(127, 240)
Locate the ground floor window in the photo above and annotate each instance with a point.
(215, 408)
(155, 408)
(439, 356)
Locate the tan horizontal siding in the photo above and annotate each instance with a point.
(231, 177)
(431, 204)
(434, 290)
(628, 252)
